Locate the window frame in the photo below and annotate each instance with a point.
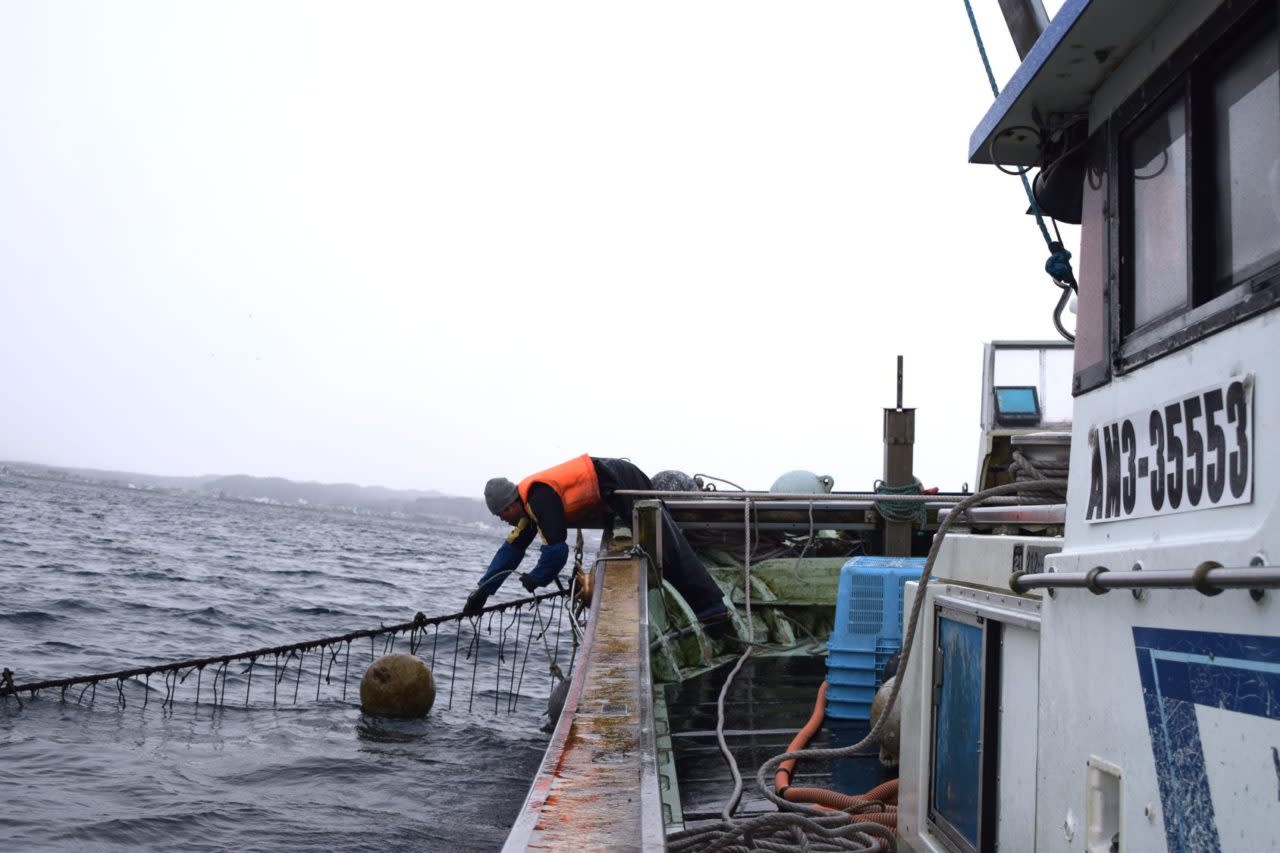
(1187, 76)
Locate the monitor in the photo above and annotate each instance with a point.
(1017, 405)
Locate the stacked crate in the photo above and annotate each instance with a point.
(867, 631)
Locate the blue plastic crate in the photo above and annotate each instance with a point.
(867, 631)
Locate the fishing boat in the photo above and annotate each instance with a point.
(1089, 643)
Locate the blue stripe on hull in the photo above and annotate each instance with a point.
(1182, 669)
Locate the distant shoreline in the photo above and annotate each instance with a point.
(409, 505)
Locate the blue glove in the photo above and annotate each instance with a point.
(550, 562)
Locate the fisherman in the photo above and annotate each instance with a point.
(583, 492)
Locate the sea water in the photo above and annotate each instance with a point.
(98, 578)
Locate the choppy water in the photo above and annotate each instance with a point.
(96, 578)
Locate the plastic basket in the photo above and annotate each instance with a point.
(868, 630)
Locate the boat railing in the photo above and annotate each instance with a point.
(708, 499)
(1208, 578)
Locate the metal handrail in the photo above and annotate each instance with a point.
(808, 497)
(1208, 579)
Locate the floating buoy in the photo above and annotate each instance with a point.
(891, 734)
(555, 702)
(397, 685)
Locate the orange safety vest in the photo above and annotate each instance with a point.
(576, 483)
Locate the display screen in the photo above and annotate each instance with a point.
(1017, 405)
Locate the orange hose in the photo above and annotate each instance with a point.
(885, 794)
(782, 778)
(833, 799)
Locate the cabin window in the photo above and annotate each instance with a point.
(1246, 125)
(1028, 383)
(1157, 177)
(1198, 155)
(963, 750)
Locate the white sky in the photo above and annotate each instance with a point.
(422, 244)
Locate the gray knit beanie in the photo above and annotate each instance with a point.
(500, 493)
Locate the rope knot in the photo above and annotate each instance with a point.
(7, 686)
(1059, 265)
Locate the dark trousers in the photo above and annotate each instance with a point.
(615, 474)
(680, 563)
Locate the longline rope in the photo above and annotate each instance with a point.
(326, 650)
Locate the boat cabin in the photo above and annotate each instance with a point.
(1117, 687)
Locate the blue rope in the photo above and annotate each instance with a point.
(1059, 265)
(995, 90)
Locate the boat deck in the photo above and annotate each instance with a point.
(770, 700)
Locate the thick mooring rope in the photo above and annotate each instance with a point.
(1025, 471)
(328, 649)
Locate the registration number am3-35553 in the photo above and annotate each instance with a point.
(1192, 452)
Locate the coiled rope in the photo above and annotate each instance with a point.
(1024, 471)
(900, 511)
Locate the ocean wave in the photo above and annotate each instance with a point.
(31, 617)
(130, 551)
(151, 574)
(79, 605)
(295, 572)
(319, 611)
(59, 646)
(160, 831)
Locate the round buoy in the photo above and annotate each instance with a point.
(397, 685)
(891, 734)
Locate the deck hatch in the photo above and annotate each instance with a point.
(963, 743)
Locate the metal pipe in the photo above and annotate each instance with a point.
(800, 506)
(777, 525)
(808, 498)
(1208, 579)
(1026, 20)
(899, 383)
(1024, 514)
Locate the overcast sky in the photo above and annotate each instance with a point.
(422, 244)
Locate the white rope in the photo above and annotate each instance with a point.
(727, 812)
